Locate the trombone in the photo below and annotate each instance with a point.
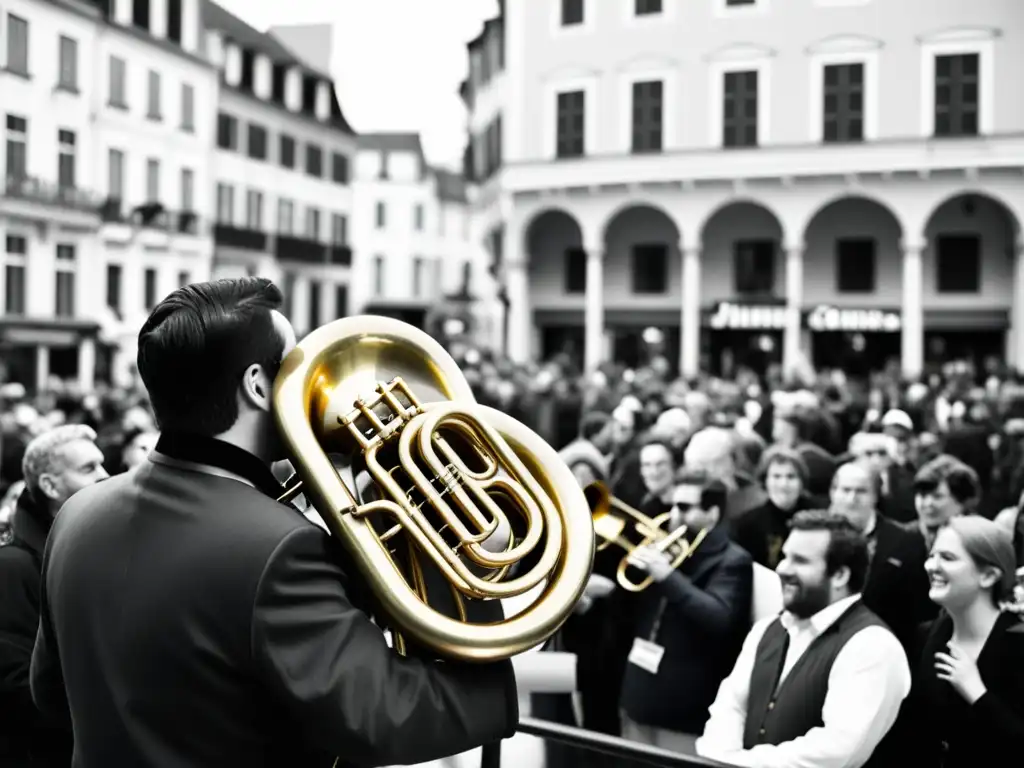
(613, 519)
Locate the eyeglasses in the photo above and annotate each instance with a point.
(684, 506)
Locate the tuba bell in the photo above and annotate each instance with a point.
(615, 522)
(411, 474)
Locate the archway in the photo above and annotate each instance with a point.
(968, 267)
(642, 285)
(853, 264)
(557, 280)
(743, 267)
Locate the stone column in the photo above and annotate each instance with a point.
(689, 320)
(1016, 346)
(42, 367)
(87, 364)
(594, 312)
(794, 308)
(912, 341)
(520, 329)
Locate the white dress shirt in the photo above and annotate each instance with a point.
(869, 680)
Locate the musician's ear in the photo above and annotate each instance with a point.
(257, 387)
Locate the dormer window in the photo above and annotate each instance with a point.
(309, 83)
(278, 78)
(174, 21)
(248, 70)
(140, 14)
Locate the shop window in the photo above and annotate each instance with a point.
(958, 263)
(575, 270)
(650, 268)
(855, 265)
(754, 267)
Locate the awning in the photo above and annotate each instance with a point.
(52, 332)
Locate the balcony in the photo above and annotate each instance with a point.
(339, 255)
(224, 235)
(300, 249)
(28, 197)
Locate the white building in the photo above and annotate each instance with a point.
(641, 164)
(152, 102)
(415, 258)
(282, 169)
(52, 273)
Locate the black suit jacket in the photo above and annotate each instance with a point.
(190, 620)
(897, 585)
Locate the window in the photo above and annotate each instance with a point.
(378, 275)
(287, 151)
(14, 272)
(254, 210)
(958, 263)
(314, 304)
(648, 116)
(417, 276)
(65, 159)
(575, 273)
(174, 20)
(257, 142)
(153, 103)
(114, 288)
(17, 45)
(285, 214)
(381, 215)
(313, 223)
(647, 7)
(339, 229)
(225, 204)
(67, 65)
(152, 180)
(340, 300)
(738, 3)
(188, 184)
(572, 12)
(150, 288)
(855, 265)
(570, 138)
(118, 89)
(754, 266)
(339, 168)
(140, 14)
(843, 103)
(418, 217)
(17, 147)
(188, 108)
(115, 174)
(739, 115)
(64, 301)
(957, 86)
(314, 161)
(650, 268)
(227, 132)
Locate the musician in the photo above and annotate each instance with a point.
(822, 683)
(190, 619)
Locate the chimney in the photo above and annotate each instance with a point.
(293, 89)
(190, 26)
(123, 12)
(323, 101)
(158, 19)
(233, 64)
(263, 77)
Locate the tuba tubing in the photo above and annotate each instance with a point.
(555, 507)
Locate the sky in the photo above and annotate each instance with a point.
(397, 64)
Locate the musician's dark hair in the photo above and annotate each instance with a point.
(847, 546)
(713, 492)
(197, 344)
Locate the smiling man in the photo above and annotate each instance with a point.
(829, 676)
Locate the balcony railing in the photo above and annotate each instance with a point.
(150, 216)
(340, 255)
(288, 248)
(237, 237)
(32, 189)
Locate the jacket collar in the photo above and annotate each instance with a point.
(199, 449)
(31, 522)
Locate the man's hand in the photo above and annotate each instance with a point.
(597, 586)
(654, 563)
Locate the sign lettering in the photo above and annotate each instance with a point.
(751, 317)
(827, 318)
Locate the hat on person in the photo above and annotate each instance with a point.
(585, 452)
(898, 418)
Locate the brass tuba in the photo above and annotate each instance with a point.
(410, 473)
(615, 521)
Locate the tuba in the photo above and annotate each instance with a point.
(615, 521)
(412, 475)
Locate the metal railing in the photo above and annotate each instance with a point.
(597, 742)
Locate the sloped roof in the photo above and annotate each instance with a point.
(392, 142)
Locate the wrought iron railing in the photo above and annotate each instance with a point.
(597, 742)
(36, 190)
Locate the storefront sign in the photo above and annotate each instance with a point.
(827, 318)
(748, 317)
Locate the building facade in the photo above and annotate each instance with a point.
(415, 258)
(49, 198)
(284, 153)
(152, 103)
(840, 181)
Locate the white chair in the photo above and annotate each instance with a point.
(767, 594)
